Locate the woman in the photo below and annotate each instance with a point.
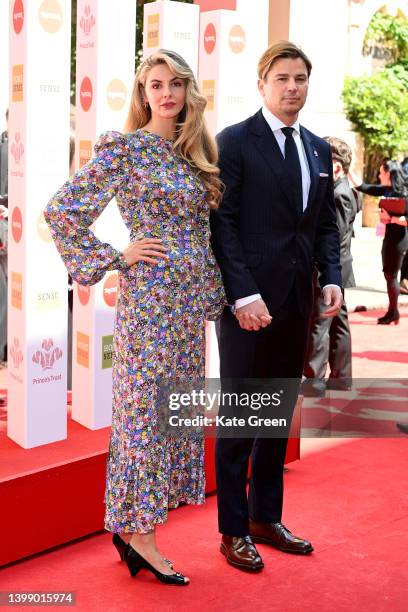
(164, 176)
(392, 185)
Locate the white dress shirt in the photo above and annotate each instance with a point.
(276, 126)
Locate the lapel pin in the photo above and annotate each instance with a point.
(315, 153)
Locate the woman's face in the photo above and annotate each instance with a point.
(165, 92)
(384, 176)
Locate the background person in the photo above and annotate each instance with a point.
(330, 338)
(393, 184)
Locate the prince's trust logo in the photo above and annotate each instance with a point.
(47, 355)
(87, 21)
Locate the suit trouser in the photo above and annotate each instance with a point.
(329, 343)
(276, 351)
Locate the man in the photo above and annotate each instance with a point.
(277, 219)
(330, 339)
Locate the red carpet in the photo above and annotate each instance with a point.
(351, 501)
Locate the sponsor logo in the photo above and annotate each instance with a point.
(16, 354)
(83, 294)
(48, 300)
(18, 80)
(18, 16)
(107, 352)
(110, 289)
(210, 38)
(47, 355)
(17, 290)
(234, 100)
(48, 87)
(83, 349)
(85, 152)
(50, 16)
(86, 94)
(116, 94)
(43, 230)
(208, 89)
(87, 21)
(183, 35)
(16, 224)
(153, 26)
(236, 39)
(17, 148)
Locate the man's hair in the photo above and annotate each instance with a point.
(282, 49)
(341, 152)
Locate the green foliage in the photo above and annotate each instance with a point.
(390, 32)
(377, 106)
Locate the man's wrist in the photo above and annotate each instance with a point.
(244, 301)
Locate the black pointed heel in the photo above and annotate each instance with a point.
(136, 562)
(121, 545)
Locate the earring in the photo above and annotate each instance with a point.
(146, 104)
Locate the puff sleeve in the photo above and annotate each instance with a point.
(80, 201)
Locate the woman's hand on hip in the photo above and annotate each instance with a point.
(145, 249)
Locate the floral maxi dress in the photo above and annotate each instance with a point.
(160, 312)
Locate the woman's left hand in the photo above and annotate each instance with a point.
(385, 217)
(399, 220)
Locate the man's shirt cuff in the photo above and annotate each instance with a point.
(245, 300)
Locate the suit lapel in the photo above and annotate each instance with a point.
(313, 161)
(270, 151)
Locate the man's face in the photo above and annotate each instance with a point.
(285, 88)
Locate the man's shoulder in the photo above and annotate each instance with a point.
(237, 130)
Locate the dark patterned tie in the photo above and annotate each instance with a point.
(293, 168)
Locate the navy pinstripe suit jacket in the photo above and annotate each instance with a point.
(260, 241)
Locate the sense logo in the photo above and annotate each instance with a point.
(86, 94)
(18, 16)
(210, 38)
(236, 39)
(116, 94)
(50, 16)
(16, 224)
(110, 289)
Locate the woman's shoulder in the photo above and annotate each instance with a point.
(112, 143)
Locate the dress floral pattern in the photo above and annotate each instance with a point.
(160, 313)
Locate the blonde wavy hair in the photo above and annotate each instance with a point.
(193, 141)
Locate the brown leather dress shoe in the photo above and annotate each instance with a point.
(278, 536)
(241, 553)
